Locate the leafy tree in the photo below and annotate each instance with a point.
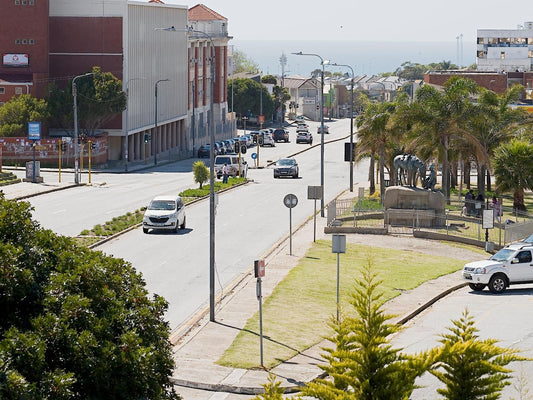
(363, 365)
(513, 169)
(273, 390)
(246, 96)
(75, 323)
(410, 71)
(269, 79)
(280, 96)
(17, 112)
(243, 63)
(99, 96)
(200, 172)
(472, 369)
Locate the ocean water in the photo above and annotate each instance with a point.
(366, 58)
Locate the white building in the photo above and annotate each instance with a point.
(505, 49)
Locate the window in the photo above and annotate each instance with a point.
(31, 2)
(18, 90)
(17, 2)
(17, 41)
(24, 41)
(502, 55)
(2, 90)
(530, 53)
(480, 54)
(493, 40)
(24, 2)
(530, 40)
(524, 256)
(31, 41)
(480, 40)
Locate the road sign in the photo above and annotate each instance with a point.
(40, 147)
(259, 268)
(314, 192)
(254, 156)
(66, 139)
(34, 130)
(290, 201)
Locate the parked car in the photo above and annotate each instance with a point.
(319, 130)
(232, 161)
(220, 148)
(166, 213)
(300, 118)
(302, 126)
(286, 167)
(304, 137)
(509, 266)
(203, 151)
(281, 135)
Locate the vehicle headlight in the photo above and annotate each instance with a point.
(480, 271)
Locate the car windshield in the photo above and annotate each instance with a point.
(223, 160)
(285, 161)
(503, 255)
(167, 205)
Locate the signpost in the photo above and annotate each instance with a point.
(314, 193)
(34, 133)
(488, 223)
(290, 202)
(259, 269)
(338, 245)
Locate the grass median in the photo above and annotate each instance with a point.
(296, 315)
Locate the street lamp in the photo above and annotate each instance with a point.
(126, 139)
(155, 129)
(351, 123)
(322, 62)
(189, 30)
(384, 89)
(76, 149)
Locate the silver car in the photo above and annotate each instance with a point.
(286, 167)
(165, 212)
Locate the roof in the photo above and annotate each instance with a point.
(298, 81)
(202, 13)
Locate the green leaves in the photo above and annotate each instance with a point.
(75, 323)
(17, 112)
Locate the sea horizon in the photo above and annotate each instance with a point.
(366, 58)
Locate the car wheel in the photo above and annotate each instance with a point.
(477, 287)
(145, 230)
(497, 283)
(182, 226)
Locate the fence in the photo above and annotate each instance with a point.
(455, 221)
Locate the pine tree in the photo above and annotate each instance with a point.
(363, 365)
(273, 390)
(471, 368)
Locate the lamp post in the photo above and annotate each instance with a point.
(155, 128)
(351, 123)
(322, 62)
(76, 149)
(126, 127)
(189, 31)
(384, 88)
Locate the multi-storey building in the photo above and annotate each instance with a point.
(502, 50)
(43, 41)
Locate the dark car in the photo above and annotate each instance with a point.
(203, 151)
(281, 135)
(286, 167)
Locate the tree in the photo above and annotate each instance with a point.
(471, 369)
(280, 95)
(17, 112)
(244, 64)
(363, 365)
(410, 71)
(271, 79)
(247, 94)
(75, 323)
(200, 172)
(513, 169)
(273, 390)
(99, 96)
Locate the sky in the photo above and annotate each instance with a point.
(378, 20)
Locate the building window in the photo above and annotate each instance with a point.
(480, 40)
(493, 41)
(31, 2)
(530, 53)
(18, 90)
(17, 41)
(480, 54)
(24, 2)
(2, 90)
(502, 55)
(17, 2)
(530, 40)
(24, 41)
(31, 41)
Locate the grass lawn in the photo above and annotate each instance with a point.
(297, 313)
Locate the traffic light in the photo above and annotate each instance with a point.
(63, 146)
(237, 146)
(347, 151)
(146, 138)
(93, 146)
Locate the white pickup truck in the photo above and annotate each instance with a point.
(509, 266)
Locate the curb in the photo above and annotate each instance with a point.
(27, 196)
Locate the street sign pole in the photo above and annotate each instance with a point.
(290, 201)
(338, 245)
(259, 272)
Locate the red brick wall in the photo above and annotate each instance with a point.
(25, 22)
(19, 150)
(492, 81)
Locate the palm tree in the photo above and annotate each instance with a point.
(375, 133)
(496, 122)
(438, 118)
(513, 169)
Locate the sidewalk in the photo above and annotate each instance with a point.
(197, 375)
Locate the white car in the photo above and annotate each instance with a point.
(268, 139)
(511, 265)
(233, 162)
(319, 130)
(165, 212)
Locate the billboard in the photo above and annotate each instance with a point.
(15, 60)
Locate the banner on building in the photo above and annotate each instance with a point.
(15, 60)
